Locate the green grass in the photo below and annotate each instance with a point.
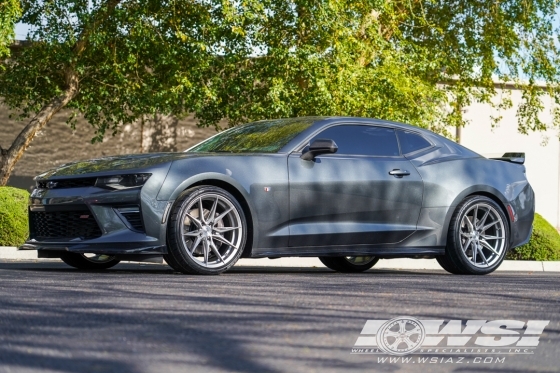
(544, 243)
(14, 228)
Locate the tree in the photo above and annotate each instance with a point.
(413, 61)
(9, 12)
(418, 61)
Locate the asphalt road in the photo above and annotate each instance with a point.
(145, 318)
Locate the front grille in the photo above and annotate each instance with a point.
(63, 224)
(67, 183)
(133, 216)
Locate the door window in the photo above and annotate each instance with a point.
(362, 140)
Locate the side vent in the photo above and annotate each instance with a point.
(132, 217)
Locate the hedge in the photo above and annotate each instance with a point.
(543, 245)
(14, 228)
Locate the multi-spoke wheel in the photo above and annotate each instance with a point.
(89, 261)
(477, 239)
(206, 231)
(349, 263)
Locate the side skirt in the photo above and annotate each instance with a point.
(352, 250)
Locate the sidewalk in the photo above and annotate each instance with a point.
(11, 253)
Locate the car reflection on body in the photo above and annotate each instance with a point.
(347, 190)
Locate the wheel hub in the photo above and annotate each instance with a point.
(206, 232)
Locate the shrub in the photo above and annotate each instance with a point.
(14, 228)
(543, 245)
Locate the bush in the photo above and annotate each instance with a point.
(14, 228)
(543, 245)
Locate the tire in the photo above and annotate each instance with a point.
(349, 264)
(93, 263)
(209, 245)
(448, 265)
(477, 239)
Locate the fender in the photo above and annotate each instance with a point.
(475, 189)
(212, 176)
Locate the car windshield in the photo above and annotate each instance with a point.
(266, 136)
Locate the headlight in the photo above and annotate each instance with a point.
(122, 181)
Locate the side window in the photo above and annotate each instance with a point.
(411, 142)
(362, 140)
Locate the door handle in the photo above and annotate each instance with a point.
(399, 173)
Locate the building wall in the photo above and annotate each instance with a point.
(57, 143)
(542, 149)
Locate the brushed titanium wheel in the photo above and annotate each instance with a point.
(89, 261)
(206, 232)
(478, 237)
(349, 263)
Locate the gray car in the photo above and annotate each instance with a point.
(347, 190)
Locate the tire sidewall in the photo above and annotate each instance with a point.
(341, 264)
(78, 260)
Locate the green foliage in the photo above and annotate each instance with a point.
(13, 216)
(9, 13)
(267, 59)
(544, 243)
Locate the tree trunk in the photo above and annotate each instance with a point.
(13, 154)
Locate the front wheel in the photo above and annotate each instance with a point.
(90, 262)
(349, 264)
(477, 239)
(206, 232)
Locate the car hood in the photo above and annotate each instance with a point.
(114, 164)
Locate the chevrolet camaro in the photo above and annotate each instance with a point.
(347, 190)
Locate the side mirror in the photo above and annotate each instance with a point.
(317, 147)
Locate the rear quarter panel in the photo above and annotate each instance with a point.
(448, 182)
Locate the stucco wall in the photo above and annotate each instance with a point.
(542, 149)
(57, 143)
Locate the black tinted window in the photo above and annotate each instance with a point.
(411, 142)
(362, 140)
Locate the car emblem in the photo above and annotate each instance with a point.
(52, 184)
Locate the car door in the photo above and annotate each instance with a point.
(365, 193)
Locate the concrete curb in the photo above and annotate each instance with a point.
(11, 253)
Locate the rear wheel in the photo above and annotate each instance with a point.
(477, 239)
(89, 262)
(349, 264)
(448, 265)
(207, 231)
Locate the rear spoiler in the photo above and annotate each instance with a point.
(518, 158)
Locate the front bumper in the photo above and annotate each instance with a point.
(95, 220)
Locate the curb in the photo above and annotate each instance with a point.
(12, 253)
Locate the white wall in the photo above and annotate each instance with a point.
(542, 149)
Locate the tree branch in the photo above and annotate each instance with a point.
(11, 156)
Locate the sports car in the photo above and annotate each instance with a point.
(347, 190)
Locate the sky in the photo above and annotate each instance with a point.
(21, 31)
